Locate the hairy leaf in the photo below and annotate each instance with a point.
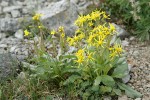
(120, 71)
(97, 80)
(107, 80)
(129, 91)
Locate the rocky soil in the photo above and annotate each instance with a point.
(138, 55)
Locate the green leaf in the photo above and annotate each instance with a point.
(121, 60)
(97, 80)
(85, 84)
(105, 89)
(86, 95)
(120, 71)
(71, 79)
(107, 80)
(95, 88)
(129, 91)
(117, 91)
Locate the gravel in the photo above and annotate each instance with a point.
(139, 58)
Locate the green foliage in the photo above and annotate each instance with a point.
(135, 14)
(129, 92)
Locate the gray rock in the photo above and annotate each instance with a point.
(148, 77)
(15, 13)
(138, 99)
(11, 8)
(136, 53)
(9, 24)
(121, 32)
(125, 43)
(4, 3)
(19, 34)
(0, 9)
(25, 11)
(12, 49)
(107, 98)
(62, 13)
(124, 97)
(126, 78)
(8, 66)
(7, 15)
(2, 35)
(3, 45)
(83, 6)
(132, 38)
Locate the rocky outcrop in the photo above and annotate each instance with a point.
(62, 13)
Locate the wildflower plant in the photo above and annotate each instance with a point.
(94, 68)
(101, 63)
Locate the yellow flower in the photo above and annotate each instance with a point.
(76, 38)
(90, 39)
(26, 33)
(53, 32)
(40, 27)
(78, 31)
(63, 35)
(37, 16)
(95, 15)
(112, 27)
(118, 48)
(81, 36)
(80, 21)
(80, 56)
(100, 41)
(89, 56)
(61, 29)
(112, 55)
(115, 50)
(80, 60)
(105, 16)
(70, 41)
(90, 24)
(80, 52)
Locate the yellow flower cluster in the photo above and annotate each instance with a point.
(115, 50)
(61, 30)
(95, 15)
(78, 37)
(84, 56)
(36, 17)
(94, 32)
(80, 56)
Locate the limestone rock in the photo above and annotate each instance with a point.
(19, 34)
(4, 3)
(15, 13)
(9, 24)
(62, 13)
(121, 32)
(11, 8)
(8, 66)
